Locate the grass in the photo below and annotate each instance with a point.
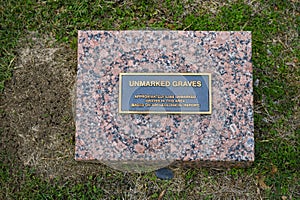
(276, 52)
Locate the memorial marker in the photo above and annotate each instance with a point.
(147, 99)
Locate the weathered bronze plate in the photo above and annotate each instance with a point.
(165, 93)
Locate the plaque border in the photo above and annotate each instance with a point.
(164, 74)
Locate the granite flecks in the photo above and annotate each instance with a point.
(134, 141)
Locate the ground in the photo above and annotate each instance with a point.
(39, 65)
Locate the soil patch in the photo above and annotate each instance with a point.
(37, 117)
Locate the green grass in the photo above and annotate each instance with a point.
(276, 55)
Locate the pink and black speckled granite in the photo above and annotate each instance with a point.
(136, 142)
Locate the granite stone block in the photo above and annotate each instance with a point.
(144, 142)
